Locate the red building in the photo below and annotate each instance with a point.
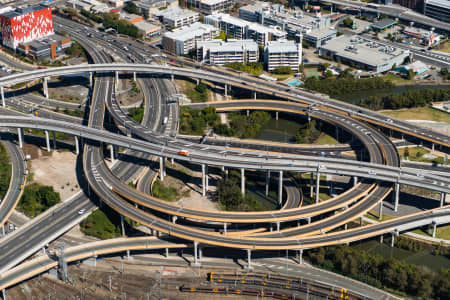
(26, 24)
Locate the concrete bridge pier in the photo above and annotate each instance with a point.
(174, 219)
(311, 186)
(249, 259)
(20, 137)
(254, 95)
(317, 185)
(122, 225)
(90, 79)
(355, 180)
(47, 140)
(432, 147)
(196, 263)
(77, 146)
(276, 116)
(381, 239)
(171, 77)
(116, 85)
(434, 224)
(309, 220)
(198, 81)
(2, 91)
(134, 76)
(167, 252)
(111, 152)
(54, 139)
(226, 90)
(278, 225)
(45, 85)
(380, 213)
(300, 256)
(206, 178)
(243, 181)
(396, 196)
(443, 196)
(203, 180)
(161, 168)
(267, 182)
(4, 294)
(280, 188)
(225, 228)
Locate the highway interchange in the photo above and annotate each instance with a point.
(150, 139)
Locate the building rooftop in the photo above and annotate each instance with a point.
(383, 23)
(229, 46)
(441, 3)
(322, 32)
(211, 2)
(152, 3)
(282, 46)
(174, 13)
(23, 11)
(242, 23)
(147, 27)
(189, 32)
(362, 50)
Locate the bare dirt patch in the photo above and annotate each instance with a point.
(55, 169)
(127, 95)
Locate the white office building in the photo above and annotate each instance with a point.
(151, 7)
(437, 9)
(283, 53)
(218, 52)
(209, 7)
(177, 17)
(241, 29)
(181, 40)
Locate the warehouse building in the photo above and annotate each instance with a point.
(48, 47)
(318, 37)
(177, 17)
(181, 40)
(218, 52)
(241, 29)
(364, 54)
(283, 53)
(24, 25)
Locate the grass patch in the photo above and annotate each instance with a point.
(417, 154)
(38, 198)
(445, 47)
(325, 139)
(102, 223)
(421, 113)
(442, 232)
(374, 215)
(137, 113)
(167, 193)
(59, 135)
(5, 171)
(396, 79)
(281, 77)
(197, 93)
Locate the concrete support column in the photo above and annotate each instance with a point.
(248, 112)
(225, 228)
(396, 196)
(47, 140)
(276, 116)
(309, 220)
(54, 139)
(4, 294)
(278, 225)
(355, 180)
(317, 186)
(380, 213)
(171, 77)
(280, 188)
(311, 185)
(203, 180)
(111, 152)
(443, 196)
(2, 91)
(117, 80)
(432, 147)
(134, 76)
(393, 239)
(167, 252)
(254, 95)
(122, 225)
(206, 178)
(434, 229)
(198, 81)
(19, 136)
(267, 182)
(243, 181)
(337, 133)
(90, 79)
(196, 263)
(77, 146)
(381, 239)
(300, 256)
(345, 226)
(249, 259)
(45, 84)
(226, 90)
(174, 219)
(161, 168)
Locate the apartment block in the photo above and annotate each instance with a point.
(283, 53)
(218, 52)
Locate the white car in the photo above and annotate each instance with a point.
(81, 211)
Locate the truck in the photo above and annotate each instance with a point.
(164, 122)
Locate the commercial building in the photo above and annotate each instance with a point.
(318, 37)
(150, 7)
(26, 24)
(283, 53)
(218, 52)
(364, 54)
(116, 3)
(438, 9)
(427, 37)
(294, 22)
(177, 17)
(413, 4)
(417, 67)
(209, 7)
(131, 18)
(181, 40)
(148, 29)
(383, 24)
(47, 47)
(241, 29)
(88, 5)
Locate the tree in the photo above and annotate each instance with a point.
(394, 66)
(411, 74)
(131, 8)
(282, 70)
(406, 153)
(348, 22)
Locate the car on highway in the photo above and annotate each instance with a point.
(183, 152)
(372, 172)
(81, 211)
